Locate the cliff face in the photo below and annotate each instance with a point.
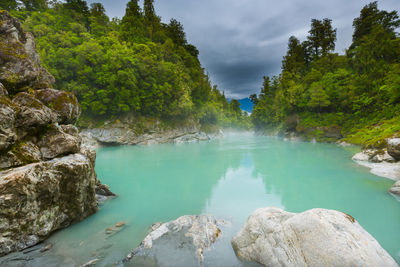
(47, 179)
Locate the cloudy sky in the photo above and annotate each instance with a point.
(240, 41)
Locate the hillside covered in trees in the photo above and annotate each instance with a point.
(137, 65)
(358, 91)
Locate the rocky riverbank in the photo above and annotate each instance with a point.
(126, 131)
(47, 178)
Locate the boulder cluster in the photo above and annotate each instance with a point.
(47, 178)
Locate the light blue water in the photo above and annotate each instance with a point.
(229, 179)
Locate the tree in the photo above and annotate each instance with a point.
(322, 37)
(8, 5)
(370, 17)
(98, 19)
(152, 22)
(176, 32)
(132, 23)
(294, 60)
(34, 5)
(319, 99)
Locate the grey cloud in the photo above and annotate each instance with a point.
(242, 40)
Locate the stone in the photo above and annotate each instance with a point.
(20, 66)
(120, 224)
(8, 115)
(65, 104)
(382, 157)
(394, 148)
(32, 113)
(39, 198)
(55, 143)
(3, 91)
(21, 153)
(90, 263)
(395, 189)
(291, 122)
(332, 131)
(317, 237)
(180, 242)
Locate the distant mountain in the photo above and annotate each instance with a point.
(246, 104)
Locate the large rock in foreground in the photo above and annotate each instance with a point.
(39, 198)
(317, 237)
(177, 243)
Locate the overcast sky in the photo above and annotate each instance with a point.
(240, 41)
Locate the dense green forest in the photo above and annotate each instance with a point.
(358, 91)
(137, 64)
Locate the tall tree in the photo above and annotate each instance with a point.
(176, 32)
(98, 19)
(34, 5)
(294, 60)
(370, 17)
(322, 37)
(152, 23)
(8, 4)
(132, 23)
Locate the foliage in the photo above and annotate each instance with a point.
(362, 86)
(134, 65)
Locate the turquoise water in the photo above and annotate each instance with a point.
(228, 178)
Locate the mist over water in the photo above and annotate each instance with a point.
(228, 178)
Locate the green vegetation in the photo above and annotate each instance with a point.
(359, 91)
(136, 65)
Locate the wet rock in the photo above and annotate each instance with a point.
(63, 103)
(46, 248)
(55, 142)
(20, 66)
(40, 198)
(32, 113)
(317, 237)
(394, 148)
(90, 263)
(120, 224)
(180, 242)
(395, 189)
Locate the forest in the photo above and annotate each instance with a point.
(137, 65)
(358, 91)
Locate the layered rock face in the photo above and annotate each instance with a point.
(47, 179)
(318, 237)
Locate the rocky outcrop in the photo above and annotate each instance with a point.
(394, 148)
(381, 162)
(39, 198)
(177, 243)
(395, 189)
(318, 237)
(20, 67)
(126, 132)
(295, 129)
(47, 179)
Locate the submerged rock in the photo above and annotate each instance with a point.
(317, 237)
(178, 243)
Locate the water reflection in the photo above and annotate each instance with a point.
(228, 178)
